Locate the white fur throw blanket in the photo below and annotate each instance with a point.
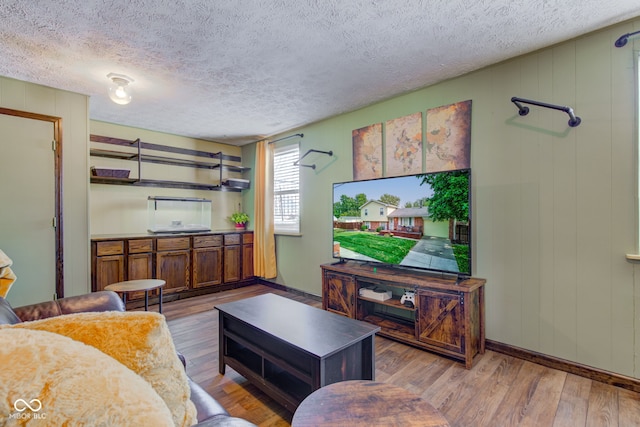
(141, 341)
(51, 380)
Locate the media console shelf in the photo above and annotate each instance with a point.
(447, 317)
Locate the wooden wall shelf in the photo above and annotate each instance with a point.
(161, 184)
(140, 157)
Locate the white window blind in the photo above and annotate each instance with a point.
(286, 189)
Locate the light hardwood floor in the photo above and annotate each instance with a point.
(498, 391)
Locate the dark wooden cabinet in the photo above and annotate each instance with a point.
(232, 258)
(247, 256)
(441, 320)
(173, 263)
(207, 261)
(140, 266)
(107, 263)
(140, 263)
(213, 261)
(339, 294)
(109, 269)
(447, 316)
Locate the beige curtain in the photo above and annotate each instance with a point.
(264, 243)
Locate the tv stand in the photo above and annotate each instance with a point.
(447, 316)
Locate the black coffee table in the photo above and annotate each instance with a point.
(289, 349)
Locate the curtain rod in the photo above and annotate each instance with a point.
(301, 135)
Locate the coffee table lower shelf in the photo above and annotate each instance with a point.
(295, 393)
(289, 385)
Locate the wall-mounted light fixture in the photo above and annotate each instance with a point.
(119, 90)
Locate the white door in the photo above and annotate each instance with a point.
(27, 207)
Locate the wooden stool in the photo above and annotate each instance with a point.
(366, 403)
(145, 285)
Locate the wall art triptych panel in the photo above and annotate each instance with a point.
(367, 152)
(448, 137)
(446, 146)
(403, 144)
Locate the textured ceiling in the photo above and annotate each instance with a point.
(238, 70)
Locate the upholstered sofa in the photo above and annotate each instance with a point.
(209, 411)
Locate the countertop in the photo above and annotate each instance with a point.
(97, 237)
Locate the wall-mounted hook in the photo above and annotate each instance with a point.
(523, 111)
(297, 163)
(623, 39)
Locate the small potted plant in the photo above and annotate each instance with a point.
(240, 219)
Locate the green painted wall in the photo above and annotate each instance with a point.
(554, 207)
(73, 108)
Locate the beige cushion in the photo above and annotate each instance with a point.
(139, 340)
(7, 277)
(66, 382)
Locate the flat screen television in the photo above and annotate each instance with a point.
(420, 221)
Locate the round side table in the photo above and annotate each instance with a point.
(145, 285)
(366, 403)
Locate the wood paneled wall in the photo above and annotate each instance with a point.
(554, 207)
(73, 108)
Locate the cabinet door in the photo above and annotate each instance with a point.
(247, 261)
(108, 269)
(339, 294)
(173, 267)
(441, 320)
(232, 263)
(207, 267)
(139, 266)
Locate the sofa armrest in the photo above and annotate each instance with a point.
(95, 301)
(225, 421)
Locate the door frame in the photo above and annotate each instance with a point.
(57, 137)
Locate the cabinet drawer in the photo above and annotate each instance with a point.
(173, 243)
(110, 248)
(140, 246)
(207, 241)
(231, 239)
(247, 238)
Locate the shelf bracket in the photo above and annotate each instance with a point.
(313, 166)
(137, 142)
(523, 111)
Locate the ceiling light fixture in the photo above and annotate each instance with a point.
(119, 90)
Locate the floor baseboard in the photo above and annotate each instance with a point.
(589, 372)
(278, 286)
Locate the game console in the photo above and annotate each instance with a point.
(376, 294)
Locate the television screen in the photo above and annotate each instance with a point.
(419, 221)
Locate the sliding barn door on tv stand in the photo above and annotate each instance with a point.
(447, 316)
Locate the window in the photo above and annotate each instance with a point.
(381, 211)
(366, 211)
(286, 189)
